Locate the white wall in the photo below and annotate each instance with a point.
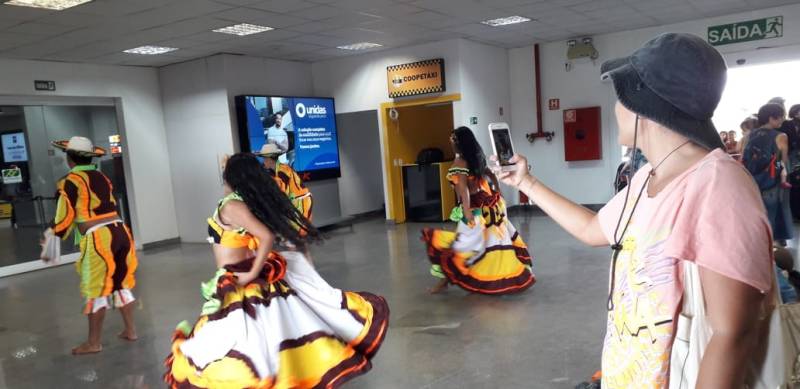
(150, 190)
(584, 182)
(479, 72)
(484, 91)
(358, 83)
(261, 76)
(590, 182)
(198, 132)
(360, 186)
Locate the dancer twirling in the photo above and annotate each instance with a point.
(485, 254)
(289, 182)
(86, 208)
(269, 320)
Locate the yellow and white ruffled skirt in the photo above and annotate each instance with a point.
(487, 256)
(286, 329)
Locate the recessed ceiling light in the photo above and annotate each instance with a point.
(243, 29)
(57, 5)
(360, 46)
(150, 50)
(506, 21)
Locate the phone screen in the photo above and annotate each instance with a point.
(502, 145)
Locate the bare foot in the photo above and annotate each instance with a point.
(87, 348)
(438, 288)
(128, 335)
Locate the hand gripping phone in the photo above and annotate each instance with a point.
(502, 145)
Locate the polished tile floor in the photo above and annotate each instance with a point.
(547, 337)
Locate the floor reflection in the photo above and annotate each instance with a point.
(547, 337)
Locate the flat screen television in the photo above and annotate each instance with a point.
(303, 126)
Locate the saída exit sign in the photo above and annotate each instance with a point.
(44, 85)
(750, 30)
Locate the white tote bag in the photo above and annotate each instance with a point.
(693, 333)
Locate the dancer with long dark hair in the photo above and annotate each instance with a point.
(485, 254)
(269, 320)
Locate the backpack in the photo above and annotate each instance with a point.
(760, 158)
(429, 156)
(621, 179)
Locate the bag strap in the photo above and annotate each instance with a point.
(688, 308)
(693, 300)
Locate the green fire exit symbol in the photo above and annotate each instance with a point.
(751, 30)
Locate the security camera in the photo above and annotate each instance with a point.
(741, 61)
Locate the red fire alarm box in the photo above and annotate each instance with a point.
(582, 140)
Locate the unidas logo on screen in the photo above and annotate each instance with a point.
(315, 111)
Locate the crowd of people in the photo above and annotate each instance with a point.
(269, 320)
(770, 152)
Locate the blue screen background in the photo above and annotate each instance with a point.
(315, 137)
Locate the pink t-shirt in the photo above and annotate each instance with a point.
(712, 215)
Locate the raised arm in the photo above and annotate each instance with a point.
(783, 145)
(65, 209)
(579, 221)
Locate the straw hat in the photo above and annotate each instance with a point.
(81, 146)
(270, 150)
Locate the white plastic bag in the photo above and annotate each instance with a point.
(51, 247)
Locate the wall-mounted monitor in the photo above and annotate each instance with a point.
(14, 148)
(303, 126)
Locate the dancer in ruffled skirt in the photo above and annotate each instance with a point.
(269, 320)
(485, 254)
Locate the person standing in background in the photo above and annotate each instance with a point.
(746, 126)
(778, 100)
(791, 128)
(731, 146)
(287, 179)
(765, 157)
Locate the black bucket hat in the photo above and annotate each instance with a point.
(676, 80)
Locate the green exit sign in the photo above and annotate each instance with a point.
(751, 30)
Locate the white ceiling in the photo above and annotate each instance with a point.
(310, 30)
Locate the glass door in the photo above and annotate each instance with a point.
(32, 168)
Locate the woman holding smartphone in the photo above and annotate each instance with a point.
(485, 254)
(676, 208)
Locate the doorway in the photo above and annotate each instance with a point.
(410, 127)
(747, 89)
(750, 87)
(32, 168)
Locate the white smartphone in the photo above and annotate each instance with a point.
(502, 145)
